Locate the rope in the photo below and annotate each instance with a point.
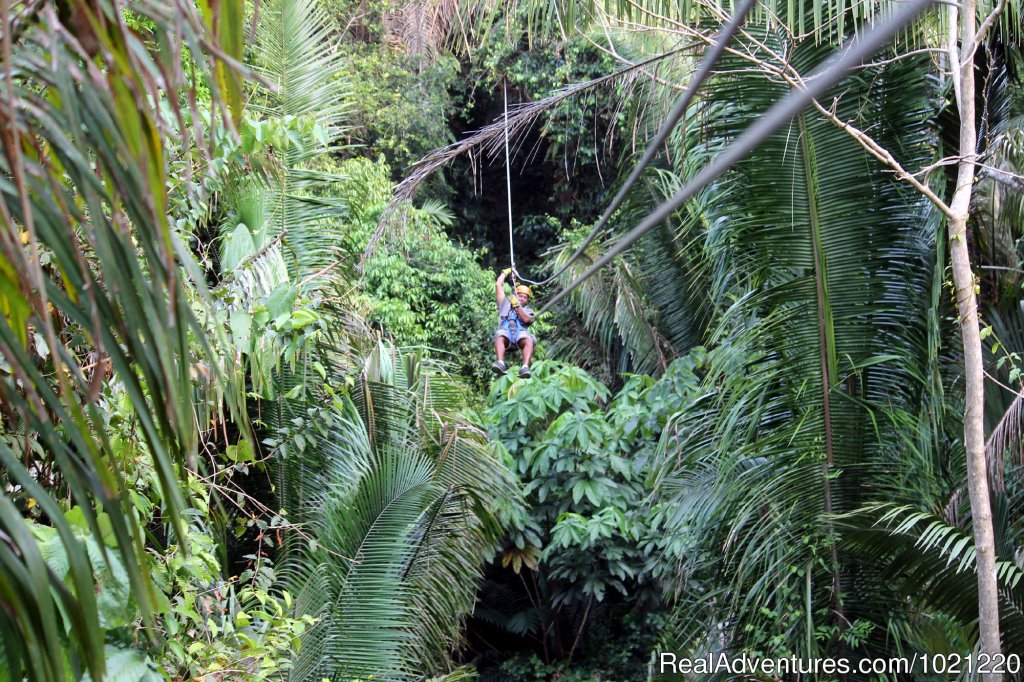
(710, 57)
(824, 77)
(508, 179)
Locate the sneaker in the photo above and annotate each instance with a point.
(499, 367)
(524, 372)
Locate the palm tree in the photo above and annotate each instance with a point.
(820, 267)
(404, 515)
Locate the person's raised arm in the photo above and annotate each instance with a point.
(500, 288)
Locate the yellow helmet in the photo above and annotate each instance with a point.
(523, 289)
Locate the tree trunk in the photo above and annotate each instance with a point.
(967, 304)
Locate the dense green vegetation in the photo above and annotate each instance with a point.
(248, 427)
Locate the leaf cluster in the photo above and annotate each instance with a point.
(592, 539)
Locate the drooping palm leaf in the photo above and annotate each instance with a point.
(367, 605)
(614, 311)
(648, 308)
(820, 265)
(86, 243)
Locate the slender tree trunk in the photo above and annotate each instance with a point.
(967, 303)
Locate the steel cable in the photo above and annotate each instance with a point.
(826, 75)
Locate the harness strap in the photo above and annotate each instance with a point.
(511, 319)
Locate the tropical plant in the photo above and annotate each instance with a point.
(404, 514)
(969, 42)
(298, 116)
(822, 362)
(424, 289)
(283, 250)
(591, 550)
(902, 543)
(98, 286)
(387, 488)
(777, 66)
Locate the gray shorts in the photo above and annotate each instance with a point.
(518, 336)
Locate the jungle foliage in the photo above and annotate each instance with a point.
(597, 551)
(247, 427)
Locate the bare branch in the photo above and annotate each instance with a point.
(946, 161)
(882, 154)
(904, 55)
(1011, 180)
(983, 29)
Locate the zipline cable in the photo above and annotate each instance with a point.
(824, 77)
(710, 58)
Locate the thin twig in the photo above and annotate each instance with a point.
(996, 381)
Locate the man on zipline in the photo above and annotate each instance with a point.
(514, 318)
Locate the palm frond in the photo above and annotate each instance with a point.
(402, 503)
(915, 553)
(1002, 406)
(819, 268)
(1006, 439)
(367, 542)
(296, 52)
(647, 309)
(83, 187)
(614, 310)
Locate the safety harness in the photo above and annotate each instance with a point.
(511, 323)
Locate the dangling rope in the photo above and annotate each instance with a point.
(508, 183)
